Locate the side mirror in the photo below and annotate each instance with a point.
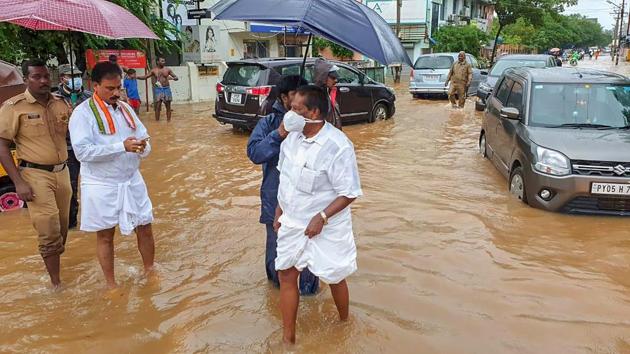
(484, 72)
(510, 113)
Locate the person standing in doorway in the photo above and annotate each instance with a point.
(460, 77)
(37, 122)
(319, 179)
(72, 91)
(162, 89)
(110, 141)
(263, 149)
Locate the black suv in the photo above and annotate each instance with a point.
(247, 91)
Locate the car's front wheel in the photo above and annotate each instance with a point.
(517, 184)
(9, 200)
(483, 145)
(379, 112)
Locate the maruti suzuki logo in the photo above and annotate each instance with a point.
(620, 170)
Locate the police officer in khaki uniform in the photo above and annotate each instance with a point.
(37, 122)
(461, 76)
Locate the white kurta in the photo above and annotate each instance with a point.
(313, 173)
(113, 192)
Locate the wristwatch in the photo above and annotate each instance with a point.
(324, 216)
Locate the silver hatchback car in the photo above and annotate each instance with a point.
(430, 71)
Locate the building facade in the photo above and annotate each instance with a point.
(420, 19)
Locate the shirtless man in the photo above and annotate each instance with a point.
(162, 88)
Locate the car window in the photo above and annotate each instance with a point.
(434, 62)
(295, 70)
(557, 104)
(516, 97)
(504, 90)
(475, 63)
(347, 76)
(242, 75)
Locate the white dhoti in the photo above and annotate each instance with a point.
(331, 255)
(107, 205)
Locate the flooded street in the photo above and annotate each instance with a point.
(448, 261)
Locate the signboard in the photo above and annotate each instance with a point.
(412, 11)
(201, 44)
(198, 14)
(128, 58)
(176, 12)
(264, 28)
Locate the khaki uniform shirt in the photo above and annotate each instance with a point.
(39, 132)
(461, 73)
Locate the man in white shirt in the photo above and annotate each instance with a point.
(109, 140)
(319, 179)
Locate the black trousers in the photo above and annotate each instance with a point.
(74, 167)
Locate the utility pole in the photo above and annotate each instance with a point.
(397, 68)
(615, 33)
(621, 14)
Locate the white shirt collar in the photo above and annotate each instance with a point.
(319, 138)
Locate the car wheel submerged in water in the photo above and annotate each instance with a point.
(9, 200)
(379, 112)
(517, 184)
(483, 145)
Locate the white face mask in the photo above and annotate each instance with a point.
(294, 122)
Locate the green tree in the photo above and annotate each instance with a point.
(458, 38)
(510, 11)
(18, 43)
(556, 31)
(338, 51)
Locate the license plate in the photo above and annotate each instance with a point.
(431, 77)
(610, 189)
(236, 98)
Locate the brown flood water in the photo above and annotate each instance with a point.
(448, 262)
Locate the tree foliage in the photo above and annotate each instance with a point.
(457, 38)
(338, 51)
(18, 43)
(557, 31)
(533, 11)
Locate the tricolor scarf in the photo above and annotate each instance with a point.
(106, 126)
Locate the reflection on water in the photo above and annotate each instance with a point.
(448, 263)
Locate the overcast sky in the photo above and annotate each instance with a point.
(599, 9)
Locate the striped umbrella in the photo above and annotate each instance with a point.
(98, 17)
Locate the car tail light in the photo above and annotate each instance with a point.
(259, 91)
(220, 88)
(411, 76)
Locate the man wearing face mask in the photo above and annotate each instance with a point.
(263, 149)
(319, 179)
(110, 141)
(72, 91)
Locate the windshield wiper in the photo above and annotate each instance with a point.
(583, 125)
(423, 68)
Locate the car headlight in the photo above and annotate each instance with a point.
(552, 162)
(484, 86)
(391, 90)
